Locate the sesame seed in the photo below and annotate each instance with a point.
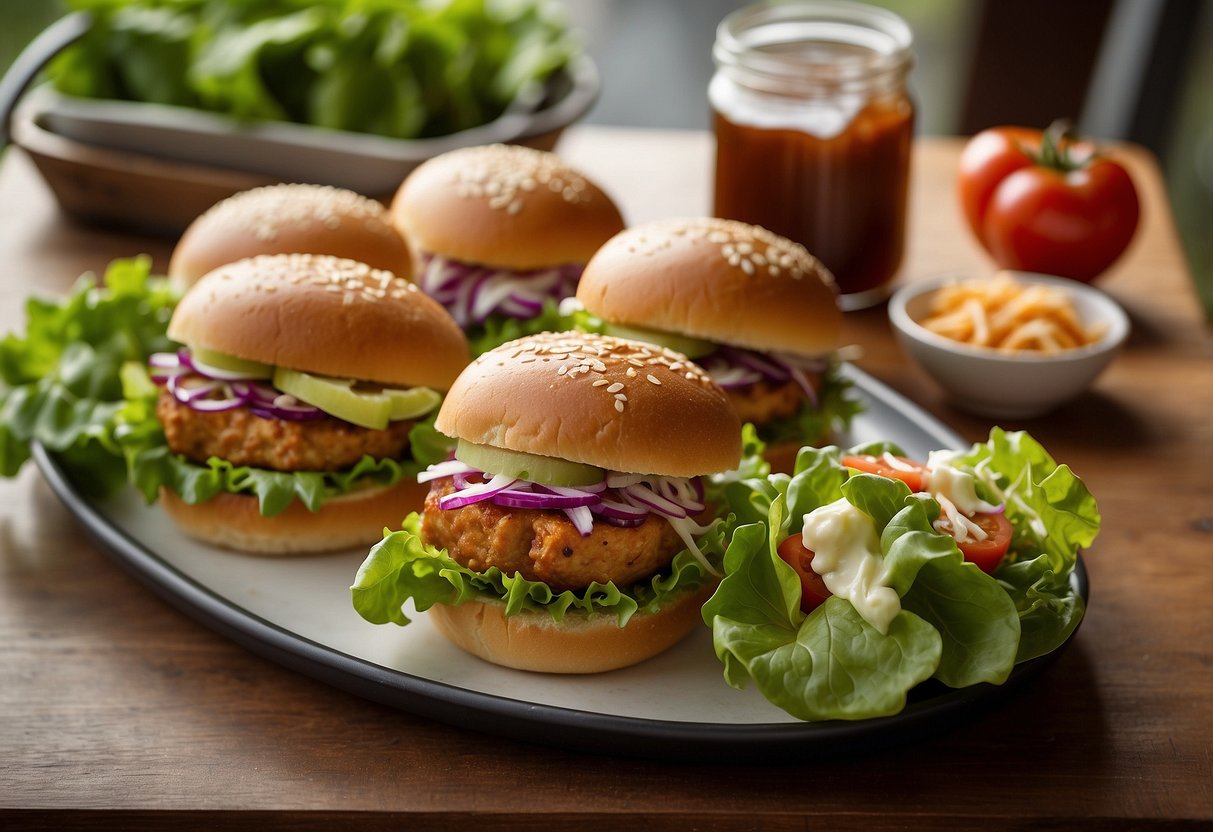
(564, 368)
(619, 405)
(653, 379)
(600, 382)
(690, 376)
(621, 396)
(631, 372)
(615, 388)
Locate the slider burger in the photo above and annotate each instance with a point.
(754, 309)
(293, 418)
(502, 233)
(570, 533)
(289, 219)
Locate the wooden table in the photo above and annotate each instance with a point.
(115, 709)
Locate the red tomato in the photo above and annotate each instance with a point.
(876, 465)
(1040, 202)
(813, 591)
(985, 554)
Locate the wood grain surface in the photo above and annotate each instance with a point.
(118, 712)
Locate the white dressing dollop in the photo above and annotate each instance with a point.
(846, 554)
(955, 491)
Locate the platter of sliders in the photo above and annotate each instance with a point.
(491, 456)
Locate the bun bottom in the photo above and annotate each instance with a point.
(533, 641)
(234, 521)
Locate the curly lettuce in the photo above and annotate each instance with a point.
(957, 624)
(62, 383)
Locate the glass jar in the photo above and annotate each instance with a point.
(813, 130)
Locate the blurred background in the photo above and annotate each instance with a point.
(1133, 70)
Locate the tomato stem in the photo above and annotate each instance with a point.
(1055, 148)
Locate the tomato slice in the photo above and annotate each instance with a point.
(985, 554)
(913, 476)
(813, 591)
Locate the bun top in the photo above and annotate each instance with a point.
(504, 205)
(720, 280)
(283, 219)
(324, 315)
(621, 405)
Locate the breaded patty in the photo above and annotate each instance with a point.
(543, 545)
(765, 401)
(243, 438)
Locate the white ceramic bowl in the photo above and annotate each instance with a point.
(1008, 385)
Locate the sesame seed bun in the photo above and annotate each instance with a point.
(617, 404)
(323, 315)
(504, 205)
(720, 280)
(285, 219)
(234, 521)
(578, 644)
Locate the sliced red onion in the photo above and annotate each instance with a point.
(203, 369)
(476, 493)
(473, 293)
(639, 494)
(733, 368)
(617, 480)
(624, 500)
(164, 360)
(513, 498)
(187, 393)
(450, 467)
(209, 390)
(613, 510)
(215, 405)
(582, 519)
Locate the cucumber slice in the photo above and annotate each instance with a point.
(548, 470)
(232, 364)
(413, 402)
(685, 344)
(336, 397)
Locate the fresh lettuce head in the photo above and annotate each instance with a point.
(957, 624)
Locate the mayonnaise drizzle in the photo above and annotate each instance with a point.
(846, 554)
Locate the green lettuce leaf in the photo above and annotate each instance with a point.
(61, 380)
(401, 567)
(499, 329)
(830, 664)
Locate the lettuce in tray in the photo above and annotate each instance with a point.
(399, 68)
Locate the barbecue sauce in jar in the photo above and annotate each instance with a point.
(813, 131)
